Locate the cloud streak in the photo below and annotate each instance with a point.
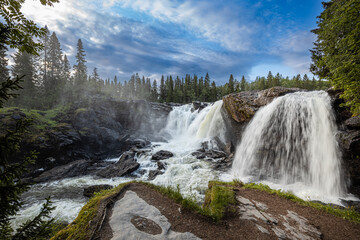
(154, 37)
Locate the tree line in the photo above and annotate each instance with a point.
(49, 80)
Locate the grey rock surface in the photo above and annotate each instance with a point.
(290, 226)
(130, 206)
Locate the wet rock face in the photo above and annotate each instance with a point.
(239, 108)
(73, 169)
(349, 140)
(161, 155)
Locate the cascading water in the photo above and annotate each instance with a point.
(291, 142)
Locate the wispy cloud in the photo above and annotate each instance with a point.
(155, 37)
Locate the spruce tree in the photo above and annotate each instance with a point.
(231, 87)
(4, 71)
(54, 82)
(80, 69)
(243, 83)
(162, 97)
(206, 89)
(154, 91)
(24, 67)
(213, 92)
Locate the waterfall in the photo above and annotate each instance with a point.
(184, 124)
(291, 141)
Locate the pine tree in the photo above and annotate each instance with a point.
(44, 58)
(162, 97)
(195, 88)
(80, 69)
(277, 80)
(270, 80)
(298, 81)
(54, 82)
(231, 87)
(206, 89)
(154, 91)
(213, 92)
(243, 83)
(4, 71)
(23, 66)
(170, 89)
(66, 69)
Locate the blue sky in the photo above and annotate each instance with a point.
(155, 37)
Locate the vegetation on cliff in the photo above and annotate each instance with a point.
(337, 49)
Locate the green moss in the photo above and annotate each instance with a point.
(220, 199)
(80, 110)
(348, 213)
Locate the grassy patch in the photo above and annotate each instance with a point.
(220, 200)
(348, 213)
(174, 194)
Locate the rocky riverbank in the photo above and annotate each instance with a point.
(137, 210)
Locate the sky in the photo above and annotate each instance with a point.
(155, 37)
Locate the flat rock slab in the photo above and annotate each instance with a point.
(133, 218)
(293, 225)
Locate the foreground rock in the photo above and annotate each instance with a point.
(130, 209)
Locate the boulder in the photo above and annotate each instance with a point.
(72, 169)
(161, 165)
(89, 191)
(126, 164)
(197, 105)
(153, 174)
(161, 155)
(353, 123)
(239, 108)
